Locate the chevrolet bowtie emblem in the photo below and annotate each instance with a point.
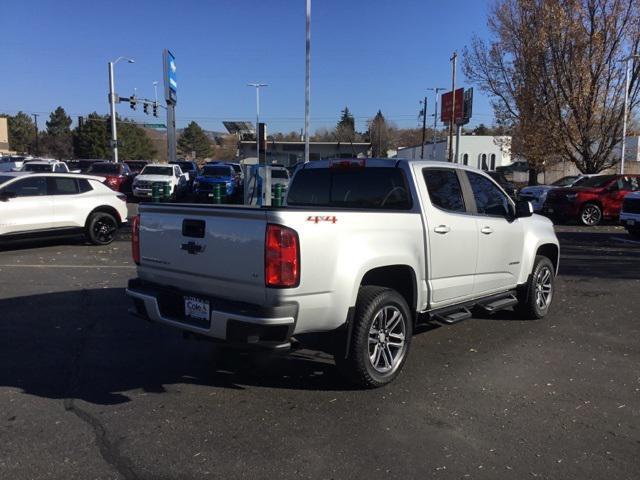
(192, 248)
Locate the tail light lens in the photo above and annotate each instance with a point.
(135, 239)
(281, 257)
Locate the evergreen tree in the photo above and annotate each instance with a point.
(135, 144)
(22, 132)
(58, 142)
(193, 139)
(346, 127)
(91, 140)
(379, 135)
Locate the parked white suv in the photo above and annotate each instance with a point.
(47, 204)
(364, 251)
(163, 174)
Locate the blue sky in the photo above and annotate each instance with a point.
(367, 55)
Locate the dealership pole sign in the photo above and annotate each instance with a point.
(463, 108)
(170, 78)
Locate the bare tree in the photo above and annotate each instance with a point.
(553, 69)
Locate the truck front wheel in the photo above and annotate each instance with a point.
(380, 338)
(534, 297)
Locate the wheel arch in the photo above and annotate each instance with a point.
(104, 209)
(401, 278)
(552, 252)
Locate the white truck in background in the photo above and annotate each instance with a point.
(363, 251)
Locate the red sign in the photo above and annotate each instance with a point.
(447, 102)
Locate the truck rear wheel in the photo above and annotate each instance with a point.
(380, 338)
(534, 298)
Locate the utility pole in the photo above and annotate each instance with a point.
(453, 104)
(35, 118)
(424, 127)
(307, 84)
(112, 106)
(435, 119)
(626, 108)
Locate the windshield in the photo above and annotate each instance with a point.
(564, 181)
(104, 168)
(279, 174)
(596, 182)
(217, 171)
(167, 171)
(36, 167)
(185, 166)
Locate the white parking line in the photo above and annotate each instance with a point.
(68, 266)
(626, 240)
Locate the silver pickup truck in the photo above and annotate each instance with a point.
(362, 252)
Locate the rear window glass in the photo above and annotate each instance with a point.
(375, 188)
(104, 168)
(217, 171)
(36, 167)
(279, 174)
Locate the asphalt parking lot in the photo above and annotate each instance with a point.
(86, 391)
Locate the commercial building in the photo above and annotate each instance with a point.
(486, 152)
(4, 137)
(290, 153)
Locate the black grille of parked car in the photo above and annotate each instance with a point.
(631, 205)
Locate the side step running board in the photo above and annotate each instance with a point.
(498, 304)
(452, 316)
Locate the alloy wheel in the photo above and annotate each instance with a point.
(387, 345)
(543, 288)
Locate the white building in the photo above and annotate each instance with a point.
(481, 151)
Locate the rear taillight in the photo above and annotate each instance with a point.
(135, 239)
(281, 257)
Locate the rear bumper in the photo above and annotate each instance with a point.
(235, 323)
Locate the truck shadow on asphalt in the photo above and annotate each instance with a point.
(84, 345)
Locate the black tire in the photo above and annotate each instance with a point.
(374, 305)
(530, 306)
(101, 228)
(590, 214)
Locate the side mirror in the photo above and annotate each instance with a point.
(523, 208)
(6, 196)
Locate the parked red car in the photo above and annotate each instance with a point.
(118, 175)
(597, 198)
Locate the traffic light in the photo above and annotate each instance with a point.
(145, 108)
(132, 102)
(155, 109)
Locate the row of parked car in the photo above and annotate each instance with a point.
(589, 199)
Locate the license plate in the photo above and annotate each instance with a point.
(631, 223)
(197, 309)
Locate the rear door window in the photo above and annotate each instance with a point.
(444, 189)
(63, 186)
(373, 188)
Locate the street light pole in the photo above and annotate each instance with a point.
(626, 109)
(307, 84)
(35, 118)
(257, 86)
(112, 107)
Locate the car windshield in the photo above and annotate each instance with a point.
(279, 174)
(168, 171)
(185, 166)
(104, 168)
(564, 181)
(36, 167)
(216, 171)
(597, 182)
(136, 165)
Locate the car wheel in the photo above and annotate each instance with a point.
(590, 214)
(534, 298)
(101, 228)
(380, 338)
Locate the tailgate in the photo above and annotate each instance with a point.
(214, 251)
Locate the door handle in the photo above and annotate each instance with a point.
(442, 229)
(486, 230)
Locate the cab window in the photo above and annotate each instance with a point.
(489, 198)
(444, 189)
